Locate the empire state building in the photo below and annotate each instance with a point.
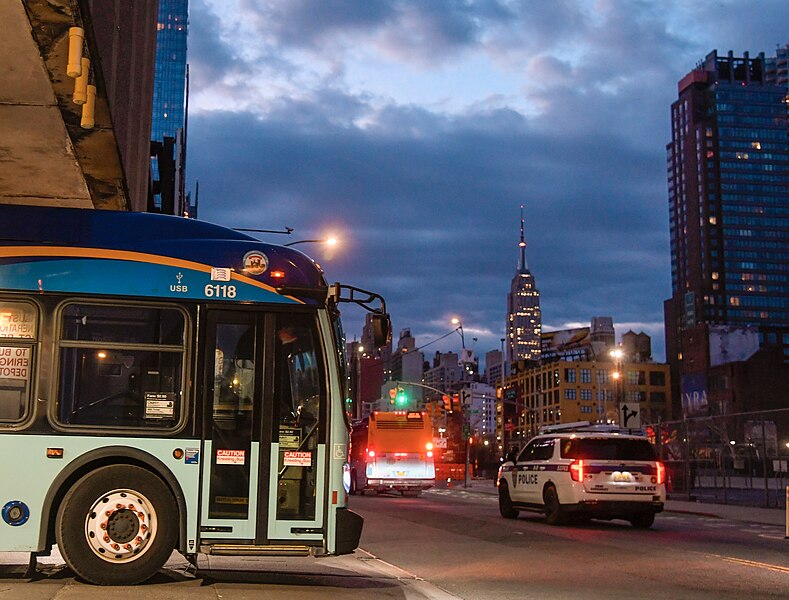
(523, 311)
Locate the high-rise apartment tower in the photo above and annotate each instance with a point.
(728, 186)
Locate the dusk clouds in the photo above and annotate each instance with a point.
(414, 130)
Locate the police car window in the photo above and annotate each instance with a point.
(608, 449)
(527, 453)
(543, 450)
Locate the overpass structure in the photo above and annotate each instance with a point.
(46, 156)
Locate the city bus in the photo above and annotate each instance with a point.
(392, 451)
(165, 384)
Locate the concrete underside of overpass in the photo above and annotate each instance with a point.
(46, 158)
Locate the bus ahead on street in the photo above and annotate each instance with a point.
(393, 451)
(168, 384)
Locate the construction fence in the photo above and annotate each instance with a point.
(738, 458)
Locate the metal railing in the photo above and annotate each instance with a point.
(740, 458)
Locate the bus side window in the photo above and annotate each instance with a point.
(18, 331)
(120, 365)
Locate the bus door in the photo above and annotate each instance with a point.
(264, 477)
(232, 450)
(298, 474)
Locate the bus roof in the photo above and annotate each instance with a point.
(141, 242)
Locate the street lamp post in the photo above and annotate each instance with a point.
(459, 328)
(617, 354)
(328, 241)
(466, 421)
(503, 420)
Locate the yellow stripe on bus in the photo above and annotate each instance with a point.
(127, 255)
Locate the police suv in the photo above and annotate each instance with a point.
(579, 472)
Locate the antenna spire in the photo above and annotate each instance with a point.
(522, 266)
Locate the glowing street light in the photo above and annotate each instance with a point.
(459, 328)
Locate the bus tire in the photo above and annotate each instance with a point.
(117, 525)
(505, 502)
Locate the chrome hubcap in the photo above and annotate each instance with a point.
(121, 526)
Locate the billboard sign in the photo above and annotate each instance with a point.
(732, 344)
(565, 339)
(693, 387)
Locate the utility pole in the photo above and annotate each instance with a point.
(503, 419)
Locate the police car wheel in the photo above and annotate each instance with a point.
(505, 502)
(642, 520)
(554, 515)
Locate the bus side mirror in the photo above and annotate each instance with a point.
(382, 329)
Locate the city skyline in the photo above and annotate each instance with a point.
(413, 132)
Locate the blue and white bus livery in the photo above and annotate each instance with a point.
(168, 384)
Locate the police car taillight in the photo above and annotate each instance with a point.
(577, 470)
(661, 473)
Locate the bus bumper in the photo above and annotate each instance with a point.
(400, 485)
(349, 531)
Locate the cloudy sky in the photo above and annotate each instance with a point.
(413, 130)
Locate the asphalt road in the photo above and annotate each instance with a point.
(453, 544)
(456, 540)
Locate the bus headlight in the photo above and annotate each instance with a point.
(346, 477)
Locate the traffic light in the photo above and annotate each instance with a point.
(401, 399)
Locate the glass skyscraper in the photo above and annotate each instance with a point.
(168, 127)
(169, 90)
(728, 186)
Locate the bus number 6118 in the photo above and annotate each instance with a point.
(220, 291)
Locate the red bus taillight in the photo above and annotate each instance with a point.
(661, 473)
(577, 470)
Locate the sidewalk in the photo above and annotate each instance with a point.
(730, 512)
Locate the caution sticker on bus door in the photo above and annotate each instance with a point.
(230, 457)
(297, 459)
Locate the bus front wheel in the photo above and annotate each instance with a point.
(117, 525)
